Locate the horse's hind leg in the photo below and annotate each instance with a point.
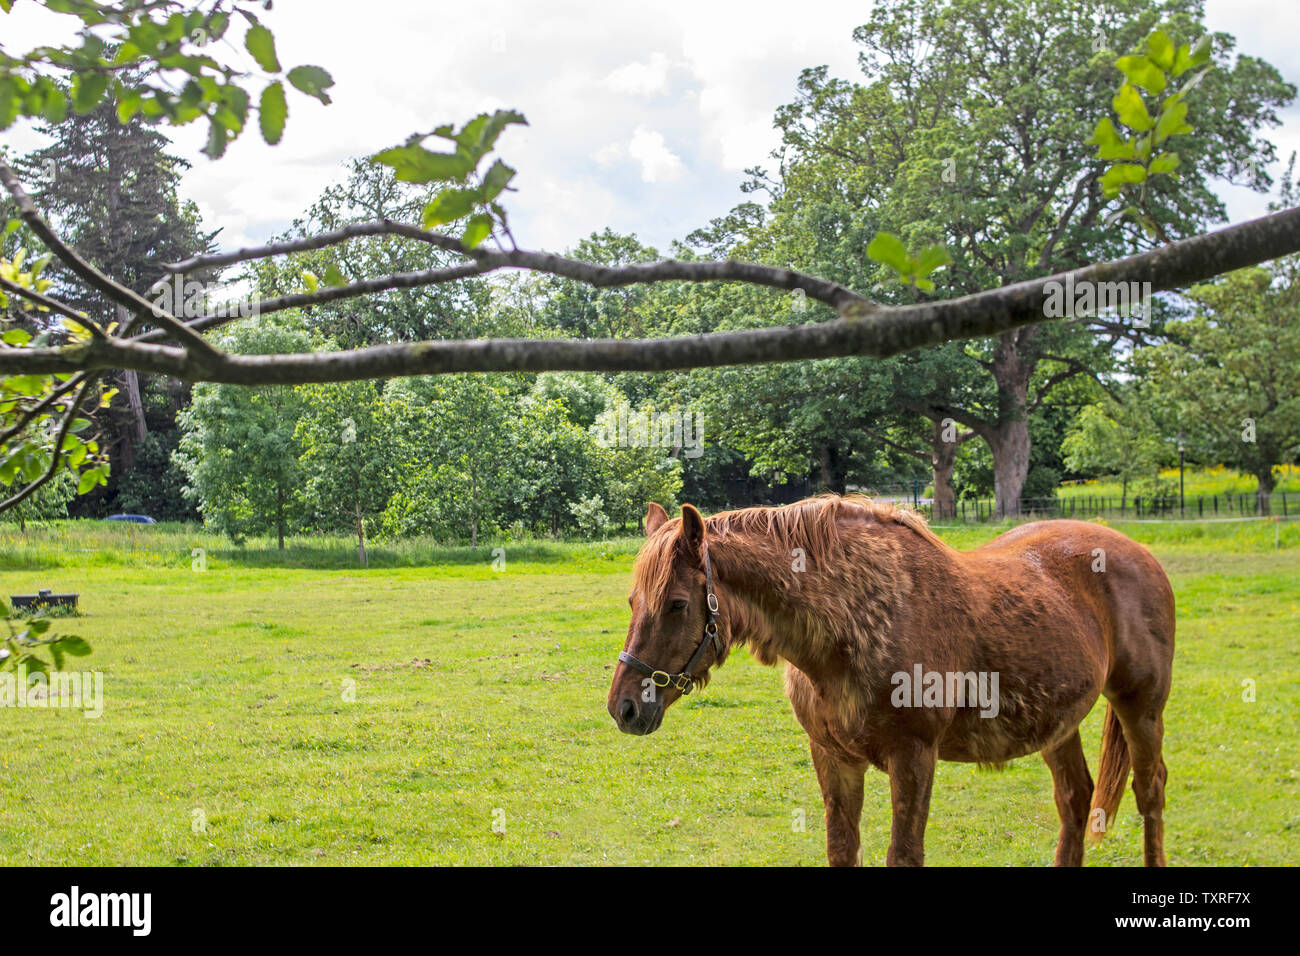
(1072, 787)
(1144, 730)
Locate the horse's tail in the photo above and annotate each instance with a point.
(1112, 775)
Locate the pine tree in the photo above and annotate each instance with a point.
(111, 189)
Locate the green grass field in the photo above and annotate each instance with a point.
(293, 709)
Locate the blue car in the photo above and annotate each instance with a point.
(134, 519)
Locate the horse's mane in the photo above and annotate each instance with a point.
(811, 524)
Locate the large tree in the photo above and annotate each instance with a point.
(965, 129)
(238, 448)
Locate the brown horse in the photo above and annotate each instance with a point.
(901, 651)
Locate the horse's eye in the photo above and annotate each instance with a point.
(677, 606)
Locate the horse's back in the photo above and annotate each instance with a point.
(1114, 577)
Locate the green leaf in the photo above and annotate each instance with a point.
(1190, 85)
(1131, 109)
(16, 337)
(478, 229)
(33, 664)
(128, 104)
(1110, 145)
(333, 276)
(30, 385)
(233, 110)
(74, 645)
(9, 102)
(449, 206)
(1200, 54)
(1164, 163)
(87, 90)
(415, 164)
(888, 249)
(1161, 49)
(313, 81)
(496, 179)
(1172, 122)
(1142, 72)
(272, 111)
(55, 109)
(261, 44)
(89, 479)
(496, 124)
(1119, 175)
(932, 258)
(310, 280)
(218, 136)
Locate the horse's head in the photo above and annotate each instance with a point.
(673, 637)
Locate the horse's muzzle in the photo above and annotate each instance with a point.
(636, 717)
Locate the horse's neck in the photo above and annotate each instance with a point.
(767, 607)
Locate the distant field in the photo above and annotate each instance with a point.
(1196, 482)
(479, 699)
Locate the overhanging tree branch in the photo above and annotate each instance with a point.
(487, 260)
(864, 328)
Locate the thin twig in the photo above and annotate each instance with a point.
(54, 305)
(141, 307)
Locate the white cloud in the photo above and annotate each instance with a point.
(659, 164)
(624, 101)
(641, 79)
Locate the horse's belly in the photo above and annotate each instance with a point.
(1018, 729)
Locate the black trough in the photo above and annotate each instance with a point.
(42, 599)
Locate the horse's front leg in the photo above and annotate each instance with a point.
(841, 786)
(911, 777)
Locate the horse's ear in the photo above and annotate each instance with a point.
(692, 531)
(654, 518)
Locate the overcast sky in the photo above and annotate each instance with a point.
(643, 116)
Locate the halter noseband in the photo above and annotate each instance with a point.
(687, 679)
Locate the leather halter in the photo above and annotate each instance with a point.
(686, 680)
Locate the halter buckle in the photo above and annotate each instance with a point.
(667, 678)
(713, 603)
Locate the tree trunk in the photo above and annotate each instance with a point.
(1009, 440)
(361, 537)
(279, 513)
(829, 460)
(131, 439)
(1265, 492)
(943, 457)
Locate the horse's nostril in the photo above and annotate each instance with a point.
(627, 711)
